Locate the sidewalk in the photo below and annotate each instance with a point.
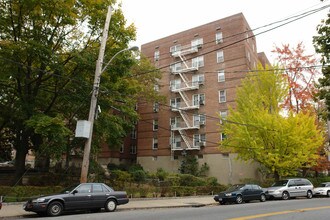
(13, 211)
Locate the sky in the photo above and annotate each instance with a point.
(155, 19)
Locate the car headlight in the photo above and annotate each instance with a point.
(228, 194)
(39, 200)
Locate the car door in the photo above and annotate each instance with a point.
(247, 192)
(99, 196)
(293, 188)
(256, 192)
(80, 197)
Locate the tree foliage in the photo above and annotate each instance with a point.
(322, 47)
(260, 131)
(48, 51)
(301, 73)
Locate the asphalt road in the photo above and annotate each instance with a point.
(302, 209)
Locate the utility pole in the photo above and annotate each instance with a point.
(91, 117)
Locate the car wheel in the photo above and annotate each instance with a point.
(55, 209)
(262, 198)
(285, 196)
(309, 194)
(328, 193)
(239, 199)
(110, 205)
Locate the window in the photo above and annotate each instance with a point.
(86, 188)
(223, 136)
(133, 133)
(199, 99)
(155, 143)
(156, 87)
(155, 125)
(175, 122)
(222, 96)
(121, 150)
(197, 62)
(223, 116)
(156, 107)
(218, 38)
(175, 67)
(199, 119)
(97, 188)
(220, 57)
(221, 76)
(198, 79)
(175, 48)
(175, 103)
(197, 43)
(156, 55)
(176, 141)
(175, 84)
(133, 149)
(199, 140)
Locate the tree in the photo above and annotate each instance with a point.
(301, 74)
(322, 47)
(258, 130)
(48, 51)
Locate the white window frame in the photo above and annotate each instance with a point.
(156, 107)
(197, 62)
(175, 102)
(134, 133)
(155, 125)
(198, 79)
(198, 138)
(220, 56)
(155, 143)
(156, 55)
(175, 48)
(222, 96)
(175, 84)
(198, 99)
(218, 37)
(133, 149)
(223, 136)
(221, 76)
(199, 119)
(196, 43)
(175, 67)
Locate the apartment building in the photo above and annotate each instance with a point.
(201, 70)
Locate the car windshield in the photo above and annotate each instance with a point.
(280, 183)
(323, 185)
(235, 187)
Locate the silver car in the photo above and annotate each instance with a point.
(290, 188)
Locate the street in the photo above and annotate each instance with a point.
(302, 209)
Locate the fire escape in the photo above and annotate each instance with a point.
(182, 104)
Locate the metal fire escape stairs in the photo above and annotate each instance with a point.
(186, 122)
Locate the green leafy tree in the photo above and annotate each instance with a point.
(259, 131)
(48, 51)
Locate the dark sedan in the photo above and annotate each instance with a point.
(241, 193)
(85, 196)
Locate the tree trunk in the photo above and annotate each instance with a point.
(22, 146)
(276, 176)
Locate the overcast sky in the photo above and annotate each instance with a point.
(155, 19)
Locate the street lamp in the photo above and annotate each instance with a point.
(92, 110)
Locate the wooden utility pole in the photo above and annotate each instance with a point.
(91, 117)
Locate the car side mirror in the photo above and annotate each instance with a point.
(74, 191)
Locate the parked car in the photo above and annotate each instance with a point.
(85, 196)
(241, 193)
(291, 188)
(323, 189)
